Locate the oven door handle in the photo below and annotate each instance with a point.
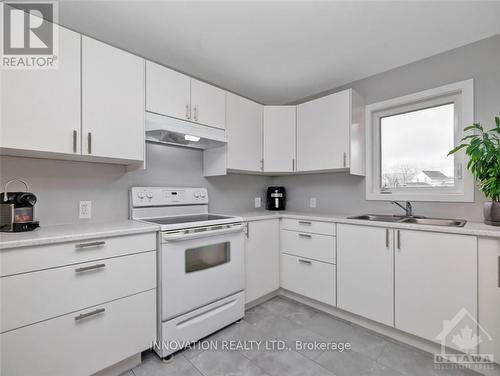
(202, 234)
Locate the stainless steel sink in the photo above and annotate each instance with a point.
(412, 219)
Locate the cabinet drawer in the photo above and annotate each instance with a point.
(304, 225)
(313, 246)
(79, 346)
(31, 297)
(313, 279)
(26, 259)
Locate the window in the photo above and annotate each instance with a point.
(409, 139)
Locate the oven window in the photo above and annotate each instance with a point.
(207, 256)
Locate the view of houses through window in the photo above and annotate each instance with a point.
(414, 148)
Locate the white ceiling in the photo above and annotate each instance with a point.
(281, 51)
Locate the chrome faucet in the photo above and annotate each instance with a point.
(407, 208)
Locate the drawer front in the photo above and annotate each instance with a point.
(312, 246)
(79, 346)
(22, 260)
(32, 297)
(304, 225)
(313, 279)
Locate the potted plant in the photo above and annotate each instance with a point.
(483, 150)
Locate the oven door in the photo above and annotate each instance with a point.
(200, 268)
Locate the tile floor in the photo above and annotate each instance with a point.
(288, 321)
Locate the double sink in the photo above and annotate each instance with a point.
(411, 220)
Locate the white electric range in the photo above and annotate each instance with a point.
(201, 272)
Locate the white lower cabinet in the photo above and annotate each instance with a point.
(262, 258)
(489, 296)
(83, 342)
(365, 272)
(435, 278)
(311, 278)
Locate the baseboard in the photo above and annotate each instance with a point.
(262, 299)
(121, 367)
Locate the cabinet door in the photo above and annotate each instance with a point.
(365, 272)
(167, 92)
(323, 133)
(244, 134)
(435, 277)
(112, 102)
(208, 104)
(262, 258)
(279, 138)
(40, 109)
(489, 295)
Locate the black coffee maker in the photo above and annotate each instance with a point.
(17, 210)
(276, 198)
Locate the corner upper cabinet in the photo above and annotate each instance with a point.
(40, 109)
(112, 102)
(208, 104)
(244, 134)
(279, 138)
(167, 92)
(330, 134)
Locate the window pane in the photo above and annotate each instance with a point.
(414, 148)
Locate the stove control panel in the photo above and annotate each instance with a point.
(167, 196)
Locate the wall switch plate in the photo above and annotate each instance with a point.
(312, 202)
(258, 202)
(85, 209)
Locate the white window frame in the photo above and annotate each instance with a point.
(459, 93)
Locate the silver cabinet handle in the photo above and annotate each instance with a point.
(306, 236)
(195, 113)
(399, 239)
(90, 314)
(345, 159)
(307, 262)
(188, 115)
(92, 244)
(75, 136)
(88, 268)
(293, 164)
(247, 230)
(89, 142)
(306, 223)
(387, 238)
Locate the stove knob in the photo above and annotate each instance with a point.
(140, 195)
(203, 195)
(149, 195)
(196, 194)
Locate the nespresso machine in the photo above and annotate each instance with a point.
(17, 209)
(276, 198)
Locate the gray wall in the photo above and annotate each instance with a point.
(60, 185)
(342, 193)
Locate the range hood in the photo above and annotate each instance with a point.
(170, 131)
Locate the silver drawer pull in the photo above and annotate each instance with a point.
(88, 268)
(92, 244)
(306, 236)
(307, 223)
(307, 262)
(89, 314)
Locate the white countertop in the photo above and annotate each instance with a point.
(74, 232)
(471, 228)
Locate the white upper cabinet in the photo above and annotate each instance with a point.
(112, 102)
(167, 92)
(40, 109)
(208, 104)
(279, 138)
(365, 272)
(244, 134)
(324, 133)
(435, 278)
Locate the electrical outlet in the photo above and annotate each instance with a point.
(258, 202)
(85, 209)
(312, 202)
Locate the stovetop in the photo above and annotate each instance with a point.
(188, 219)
